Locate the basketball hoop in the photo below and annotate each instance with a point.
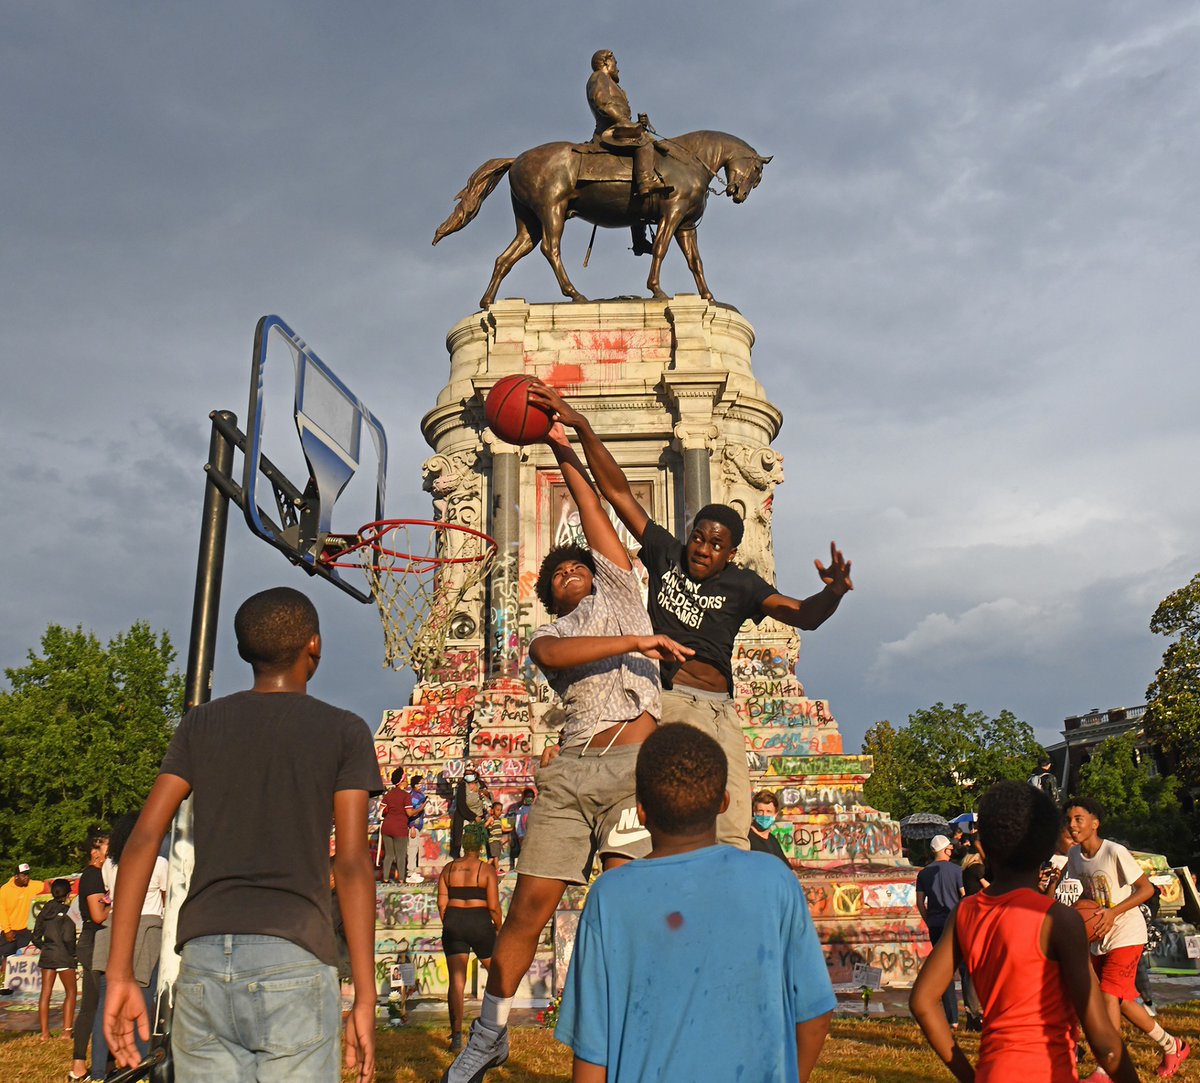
(419, 572)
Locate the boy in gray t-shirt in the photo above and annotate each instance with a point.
(601, 656)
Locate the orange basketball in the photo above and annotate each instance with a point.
(1089, 910)
(510, 414)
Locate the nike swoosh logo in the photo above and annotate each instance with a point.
(618, 835)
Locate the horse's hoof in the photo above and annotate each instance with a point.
(659, 295)
(486, 302)
(579, 297)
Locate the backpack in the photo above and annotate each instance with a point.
(1046, 783)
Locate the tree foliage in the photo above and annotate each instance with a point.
(944, 758)
(1172, 719)
(83, 728)
(1141, 809)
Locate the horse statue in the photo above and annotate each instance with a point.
(550, 184)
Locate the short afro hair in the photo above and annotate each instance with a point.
(560, 554)
(1085, 803)
(60, 889)
(1018, 825)
(726, 516)
(273, 627)
(681, 776)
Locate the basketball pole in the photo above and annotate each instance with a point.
(206, 604)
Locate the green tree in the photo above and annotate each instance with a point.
(884, 789)
(1172, 719)
(82, 730)
(944, 758)
(1141, 809)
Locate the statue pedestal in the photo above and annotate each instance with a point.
(669, 387)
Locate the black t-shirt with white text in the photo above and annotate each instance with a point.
(263, 767)
(705, 615)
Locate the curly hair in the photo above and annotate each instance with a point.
(1087, 804)
(560, 554)
(1018, 825)
(474, 838)
(725, 516)
(681, 775)
(273, 627)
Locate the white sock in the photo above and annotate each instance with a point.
(494, 1012)
(1164, 1040)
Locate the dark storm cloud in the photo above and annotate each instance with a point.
(971, 268)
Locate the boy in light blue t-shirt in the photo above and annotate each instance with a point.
(699, 961)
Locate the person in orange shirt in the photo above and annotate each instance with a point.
(1028, 957)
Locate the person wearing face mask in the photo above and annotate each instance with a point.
(766, 812)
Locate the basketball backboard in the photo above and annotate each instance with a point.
(329, 481)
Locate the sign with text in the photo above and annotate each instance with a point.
(869, 976)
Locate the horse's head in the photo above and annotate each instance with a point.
(742, 175)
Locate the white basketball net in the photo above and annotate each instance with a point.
(420, 574)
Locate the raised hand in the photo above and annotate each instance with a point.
(663, 649)
(837, 576)
(548, 399)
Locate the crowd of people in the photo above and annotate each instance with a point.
(694, 908)
(998, 906)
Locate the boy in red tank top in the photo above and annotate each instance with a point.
(1028, 957)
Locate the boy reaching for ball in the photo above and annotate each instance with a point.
(699, 597)
(1112, 878)
(601, 656)
(1027, 956)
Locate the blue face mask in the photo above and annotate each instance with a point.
(763, 822)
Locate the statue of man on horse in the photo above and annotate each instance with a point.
(664, 182)
(615, 128)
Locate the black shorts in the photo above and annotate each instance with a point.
(466, 929)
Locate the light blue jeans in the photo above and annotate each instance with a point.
(254, 1009)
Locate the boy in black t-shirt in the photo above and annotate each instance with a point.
(700, 599)
(257, 991)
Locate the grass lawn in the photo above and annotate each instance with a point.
(858, 1051)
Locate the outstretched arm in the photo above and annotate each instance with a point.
(812, 612)
(614, 486)
(555, 652)
(597, 527)
(1065, 940)
(925, 1003)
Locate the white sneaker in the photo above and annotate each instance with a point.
(486, 1048)
(415, 878)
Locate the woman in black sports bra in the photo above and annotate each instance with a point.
(469, 905)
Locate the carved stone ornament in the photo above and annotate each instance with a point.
(749, 476)
(456, 486)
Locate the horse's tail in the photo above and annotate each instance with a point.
(481, 185)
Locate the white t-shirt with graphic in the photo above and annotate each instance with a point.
(1108, 877)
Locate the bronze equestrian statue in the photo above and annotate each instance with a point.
(557, 181)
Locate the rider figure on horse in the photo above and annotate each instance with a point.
(615, 128)
(617, 131)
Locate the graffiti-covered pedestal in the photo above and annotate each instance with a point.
(848, 856)
(668, 386)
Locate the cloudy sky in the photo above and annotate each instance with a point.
(972, 269)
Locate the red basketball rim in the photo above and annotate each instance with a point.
(372, 535)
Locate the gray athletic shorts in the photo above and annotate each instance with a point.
(716, 715)
(585, 806)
